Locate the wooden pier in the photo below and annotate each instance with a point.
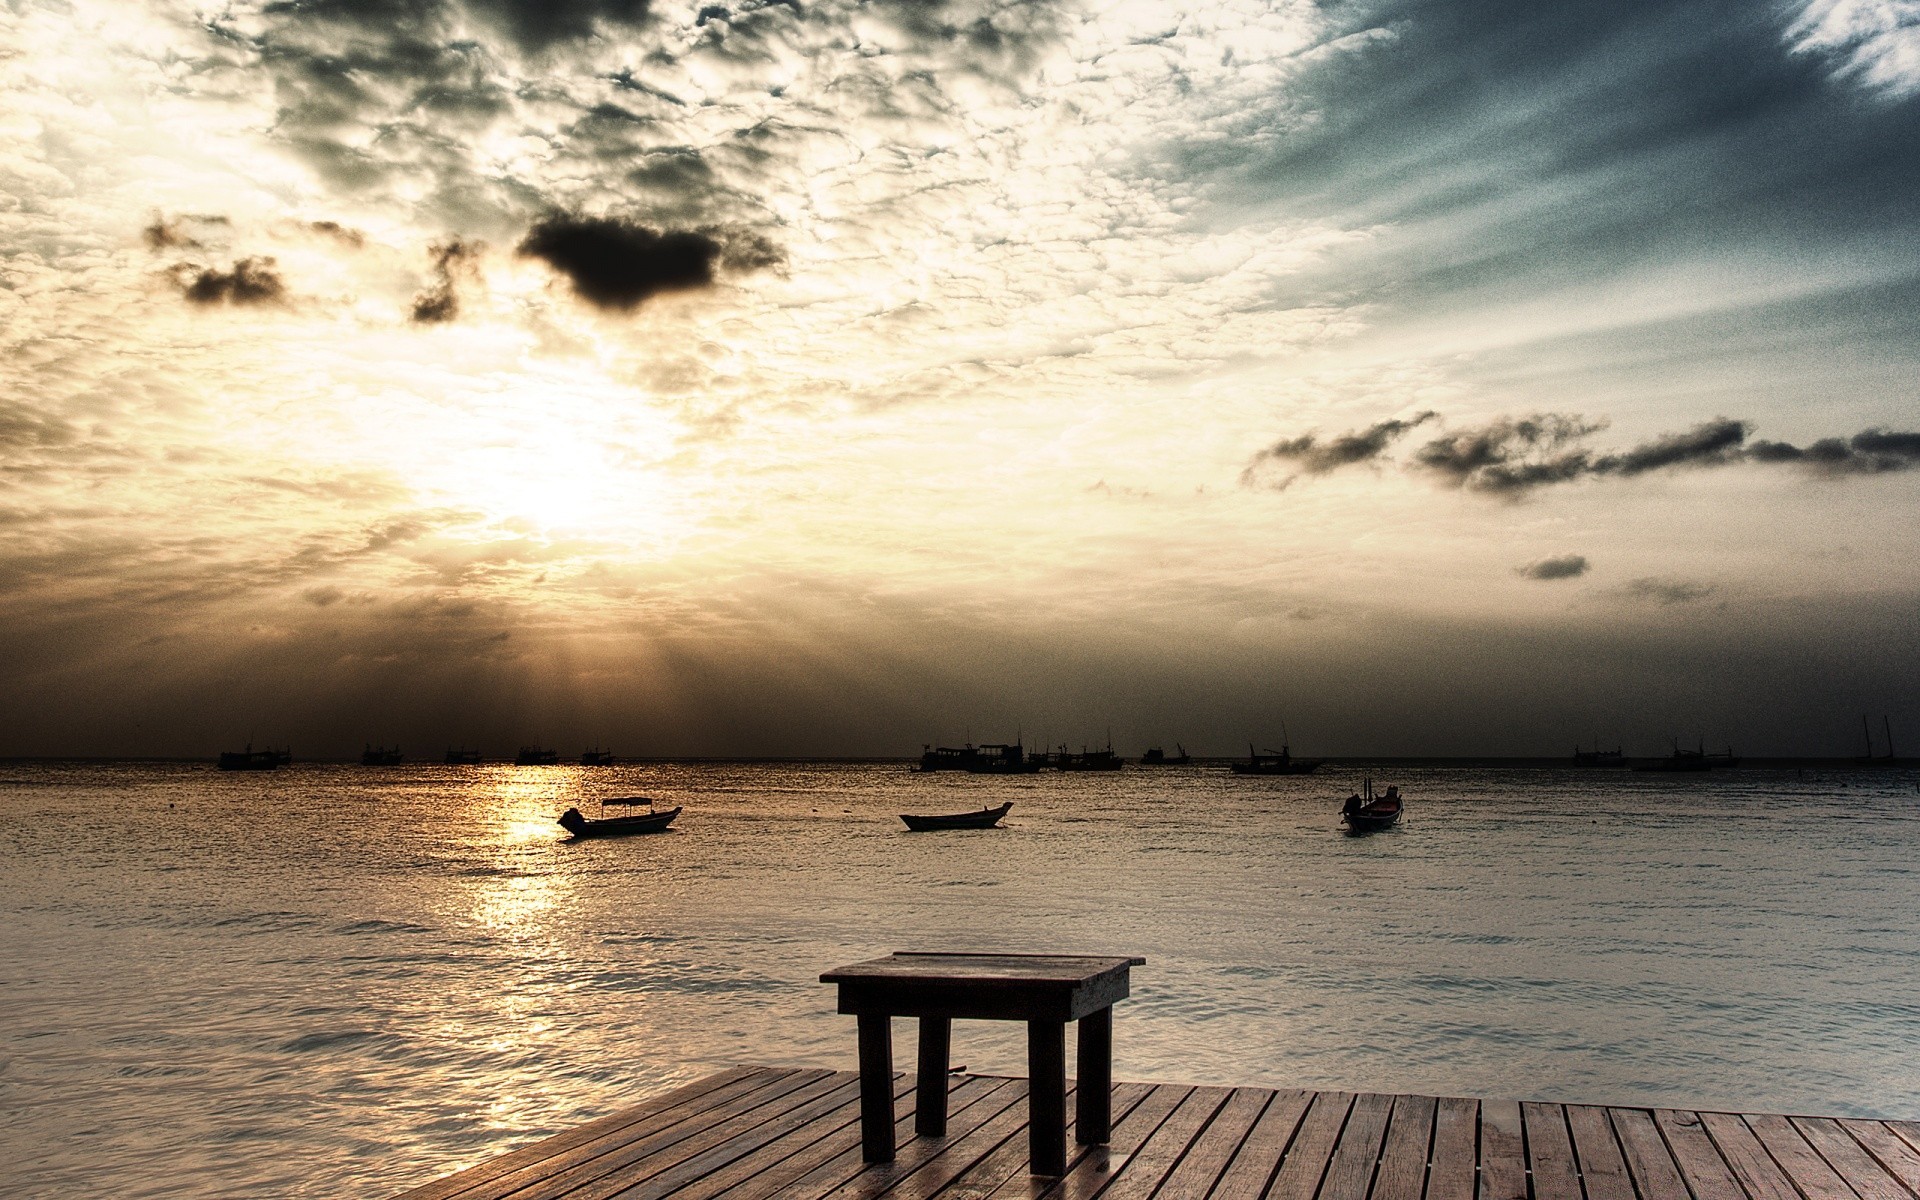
(763, 1132)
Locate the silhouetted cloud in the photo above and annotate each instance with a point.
(617, 264)
(1566, 566)
(178, 233)
(451, 260)
(1314, 457)
(250, 281)
(1513, 456)
(343, 234)
(1667, 592)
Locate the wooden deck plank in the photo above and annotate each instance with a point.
(641, 1160)
(1403, 1157)
(1087, 1175)
(1655, 1175)
(1306, 1162)
(1603, 1169)
(1860, 1170)
(871, 1179)
(1207, 1158)
(1350, 1173)
(959, 1155)
(783, 1154)
(1550, 1152)
(1150, 1162)
(1258, 1158)
(661, 1107)
(1759, 1176)
(1451, 1174)
(1900, 1160)
(1010, 1159)
(1706, 1170)
(1802, 1163)
(1503, 1151)
(837, 1158)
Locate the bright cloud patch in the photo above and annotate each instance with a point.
(1875, 42)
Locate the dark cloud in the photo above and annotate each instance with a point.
(250, 281)
(1566, 566)
(1314, 457)
(452, 261)
(1869, 452)
(178, 233)
(1668, 592)
(1713, 443)
(1512, 455)
(617, 264)
(343, 234)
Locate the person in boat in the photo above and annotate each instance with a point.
(1353, 805)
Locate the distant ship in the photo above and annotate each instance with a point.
(596, 758)
(1271, 763)
(1087, 760)
(990, 759)
(1597, 757)
(254, 760)
(463, 758)
(380, 756)
(534, 756)
(1683, 760)
(1156, 757)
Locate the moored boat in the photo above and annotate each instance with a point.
(1597, 757)
(463, 758)
(597, 758)
(653, 821)
(380, 756)
(1275, 763)
(1156, 757)
(1369, 813)
(254, 760)
(986, 818)
(989, 759)
(1682, 760)
(1088, 760)
(534, 756)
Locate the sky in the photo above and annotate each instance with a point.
(794, 377)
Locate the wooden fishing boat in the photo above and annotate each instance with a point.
(986, 818)
(1368, 813)
(652, 821)
(1281, 762)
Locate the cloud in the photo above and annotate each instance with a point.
(1667, 592)
(1315, 457)
(1872, 43)
(452, 260)
(343, 234)
(180, 233)
(1515, 456)
(617, 264)
(1566, 566)
(251, 281)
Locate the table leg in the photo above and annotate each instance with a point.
(930, 1101)
(876, 1087)
(1047, 1096)
(1093, 1123)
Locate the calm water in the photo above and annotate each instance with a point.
(339, 981)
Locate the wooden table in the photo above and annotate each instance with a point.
(1044, 990)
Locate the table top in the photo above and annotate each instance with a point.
(983, 970)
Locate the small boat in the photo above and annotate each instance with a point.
(990, 759)
(380, 756)
(254, 760)
(463, 758)
(1368, 813)
(1156, 757)
(652, 821)
(1087, 760)
(534, 756)
(597, 758)
(1683, 759)
(1281, 762)
(986, 818)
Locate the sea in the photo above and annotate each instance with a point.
(333, 980)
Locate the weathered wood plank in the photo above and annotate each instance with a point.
(837, 1158)
(1603, 1170)
(1649, 1161)
(1089, 1174)
(1550, 1152)
(1150, 1162)
(1207, 1157)
(1008, 1108)
(1760, 1177)
(1701, 1164)
(1403, 1157)
(1861, 1172)
(1503, 1151)
(1010, 1158)
(1350, 1173)
(1258, 1158)
(1815, 1179)
(1901, 1160)
(642, 1160)
(1306, 1162)
(953, 1161)
(783, 1154)
(1450, 1173)
(663, 1107)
